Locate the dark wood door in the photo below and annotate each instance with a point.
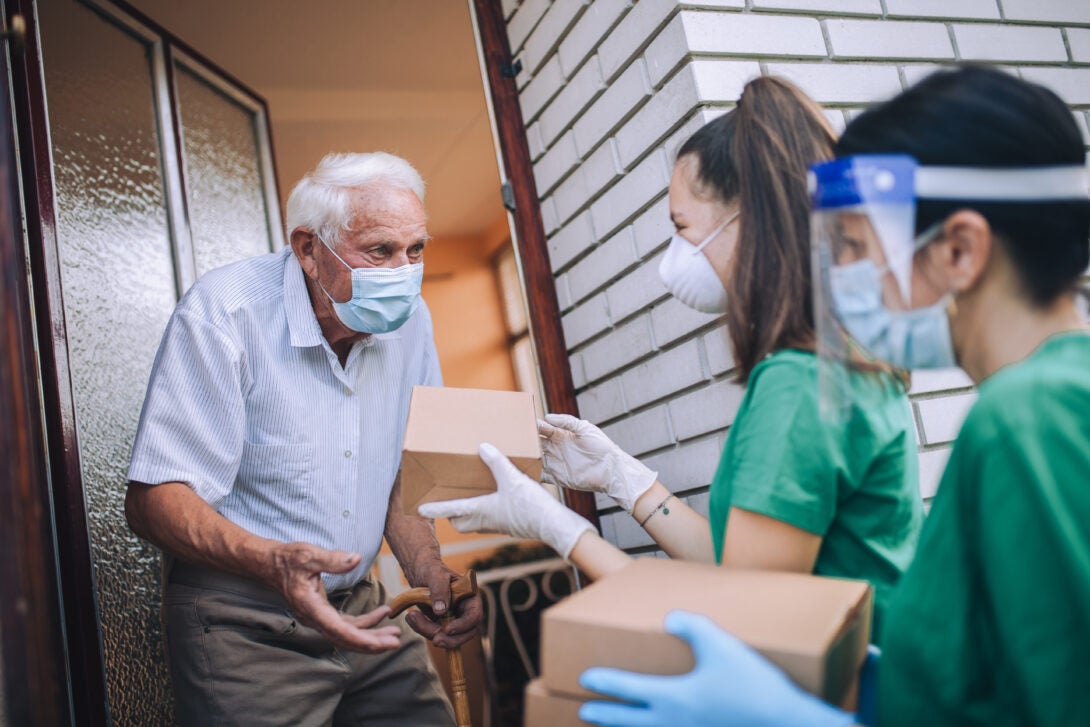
(144, 166)
(32, 656)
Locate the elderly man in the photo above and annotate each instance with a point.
(266, 468)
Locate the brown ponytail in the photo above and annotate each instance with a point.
(758, 154)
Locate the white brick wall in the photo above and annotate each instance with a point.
(969, 9)
(987, 42)
(610, 88)
(838, 7)
(873, 39)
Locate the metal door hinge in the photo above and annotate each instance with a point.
(510, 70)
(507, 192)
(16, 33)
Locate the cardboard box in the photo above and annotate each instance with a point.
(816, 629)
(542, 708)
(446, 426)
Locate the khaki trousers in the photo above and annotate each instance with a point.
(238, 657)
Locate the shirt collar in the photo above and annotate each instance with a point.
(302, 323)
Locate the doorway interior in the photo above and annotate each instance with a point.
(172, 134)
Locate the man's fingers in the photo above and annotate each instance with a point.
(422, 625)
(346, 632)
(446, 641)
(470, 611)
(371, 618)
(331, 561)
(438, 582)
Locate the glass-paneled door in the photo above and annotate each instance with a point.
(157, 168)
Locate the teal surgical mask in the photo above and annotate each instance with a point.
(382, 298)
(910, 339)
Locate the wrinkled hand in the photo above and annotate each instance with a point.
(520, 507)
(731, 684)
(579, 456)
(295, 570)
(468, 612)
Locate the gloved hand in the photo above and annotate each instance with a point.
(579, 456)
(867, 711)
(520, 507)
(731, 685)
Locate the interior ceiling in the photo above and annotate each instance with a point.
(360, 75)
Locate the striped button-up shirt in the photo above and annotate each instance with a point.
(249, 406)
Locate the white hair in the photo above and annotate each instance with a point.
(320, 201)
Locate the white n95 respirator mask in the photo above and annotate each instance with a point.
(687, 274)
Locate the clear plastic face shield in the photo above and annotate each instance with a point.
(865, 256)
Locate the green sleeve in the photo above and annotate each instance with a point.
(785, 466)
(1033, 554)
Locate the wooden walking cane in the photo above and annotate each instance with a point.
(462, 587)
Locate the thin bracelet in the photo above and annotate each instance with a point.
(660, 506)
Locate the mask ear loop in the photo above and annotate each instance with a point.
(716, 232)
(330, 248)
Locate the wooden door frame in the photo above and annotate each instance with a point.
(33, 653)
(74, 567)
(59, 478)
(537, 274)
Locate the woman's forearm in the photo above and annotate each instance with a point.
(678, 529)
(598, 557)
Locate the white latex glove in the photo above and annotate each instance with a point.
(520, 507)
(578, 455)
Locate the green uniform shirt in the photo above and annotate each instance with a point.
(991, 625)
(854, 484)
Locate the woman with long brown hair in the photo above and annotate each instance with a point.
(798, 494)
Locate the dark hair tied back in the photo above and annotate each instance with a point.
(980, 117)
(758, 154)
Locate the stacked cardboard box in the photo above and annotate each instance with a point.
(816, 629)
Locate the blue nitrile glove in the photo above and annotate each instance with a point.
(731, 685)
(867, 713)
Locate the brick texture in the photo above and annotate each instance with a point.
(611, 89)
(969, 9)
(872, 39)
(977, 42)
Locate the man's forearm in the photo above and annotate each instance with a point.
(174, 518)
(411, 538)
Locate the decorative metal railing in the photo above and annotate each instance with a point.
(514, 598)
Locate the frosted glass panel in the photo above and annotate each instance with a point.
(118, 286)
(226, 197)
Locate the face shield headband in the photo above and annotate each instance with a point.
(863, 242)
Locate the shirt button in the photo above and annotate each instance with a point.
(346, 513)
(348, 453)
(347, 391)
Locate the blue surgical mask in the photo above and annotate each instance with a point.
(909, 339)
(382, 298)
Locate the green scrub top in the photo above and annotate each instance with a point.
(855, 484)
(991, 625)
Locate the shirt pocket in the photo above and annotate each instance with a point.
(279, 479)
